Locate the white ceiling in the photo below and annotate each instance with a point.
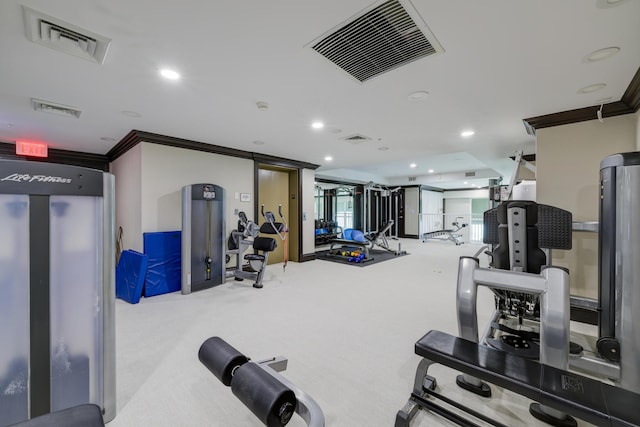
(503, 61)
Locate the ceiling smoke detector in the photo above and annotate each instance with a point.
(379, 40)
(65, 37)
(356, 138)
(53, 108)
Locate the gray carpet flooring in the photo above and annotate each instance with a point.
(348, 334)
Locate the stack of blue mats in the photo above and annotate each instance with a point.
(130, 274)
(164, 272)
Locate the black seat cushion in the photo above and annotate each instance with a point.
(88, 415)
(254, 257)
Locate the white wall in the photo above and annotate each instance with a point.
(567, 176)
(127, 170)
(638, 131)
(412, 211)
(167, 169)
(308, 223)
(482, 193)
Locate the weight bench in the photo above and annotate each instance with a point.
(379, 238)
(585, 398)
(451, 235)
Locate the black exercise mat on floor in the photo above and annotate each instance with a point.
(376, 256)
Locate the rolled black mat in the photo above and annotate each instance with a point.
(270, 400)
(220, 358)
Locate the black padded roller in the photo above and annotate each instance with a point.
(220, 358)
(270, 400)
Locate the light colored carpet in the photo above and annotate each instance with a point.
(348, 334)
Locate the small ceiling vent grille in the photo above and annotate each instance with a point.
(59, 35)
(378, 41)
(59, 109)
(466, 174)
(356, 138)
(413, 178)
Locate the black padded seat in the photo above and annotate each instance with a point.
(254, 257)
(264, 244)
(88, 415)
(582, 397)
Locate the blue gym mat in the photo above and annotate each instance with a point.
(130, 273)
(164, 271)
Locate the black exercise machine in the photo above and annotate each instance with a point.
(565, 392)
(271, 397)
(531, 293)
(245, 237)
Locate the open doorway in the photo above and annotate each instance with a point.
(280, 186)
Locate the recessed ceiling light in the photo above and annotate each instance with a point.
(107, 139)
(131, 113)
(317, 125)
(413, 166)
(592, 88)
(419, 95)
(169, 74)
(600, 54)
(383, 148)
(430, 171)
(465, 183)
(258, 142)
(328, 158)
(467, 133)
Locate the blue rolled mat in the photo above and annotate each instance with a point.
(130, 273)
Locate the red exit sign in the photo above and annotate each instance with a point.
(31, 149)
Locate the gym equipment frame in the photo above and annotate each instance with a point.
(57, 289)
(203, 237)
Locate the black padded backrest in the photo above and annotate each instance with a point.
(547, 227)
(554, 227)
(272, 228)
(265, 244)
(490, 233)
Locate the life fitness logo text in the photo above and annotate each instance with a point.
(25, 177)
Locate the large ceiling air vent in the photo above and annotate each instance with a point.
(59, 35)
(53, 108)
(380, 40)
(356, 138)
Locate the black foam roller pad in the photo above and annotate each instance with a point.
(269, 400)
(220, 358)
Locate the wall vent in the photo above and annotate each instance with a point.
(382, 39)
(356, 138)
(466, 174)
(59, 35)
(413, 178)
(53, 108)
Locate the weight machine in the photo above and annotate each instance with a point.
(247, 236)
(381, 206)
(531, 321)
